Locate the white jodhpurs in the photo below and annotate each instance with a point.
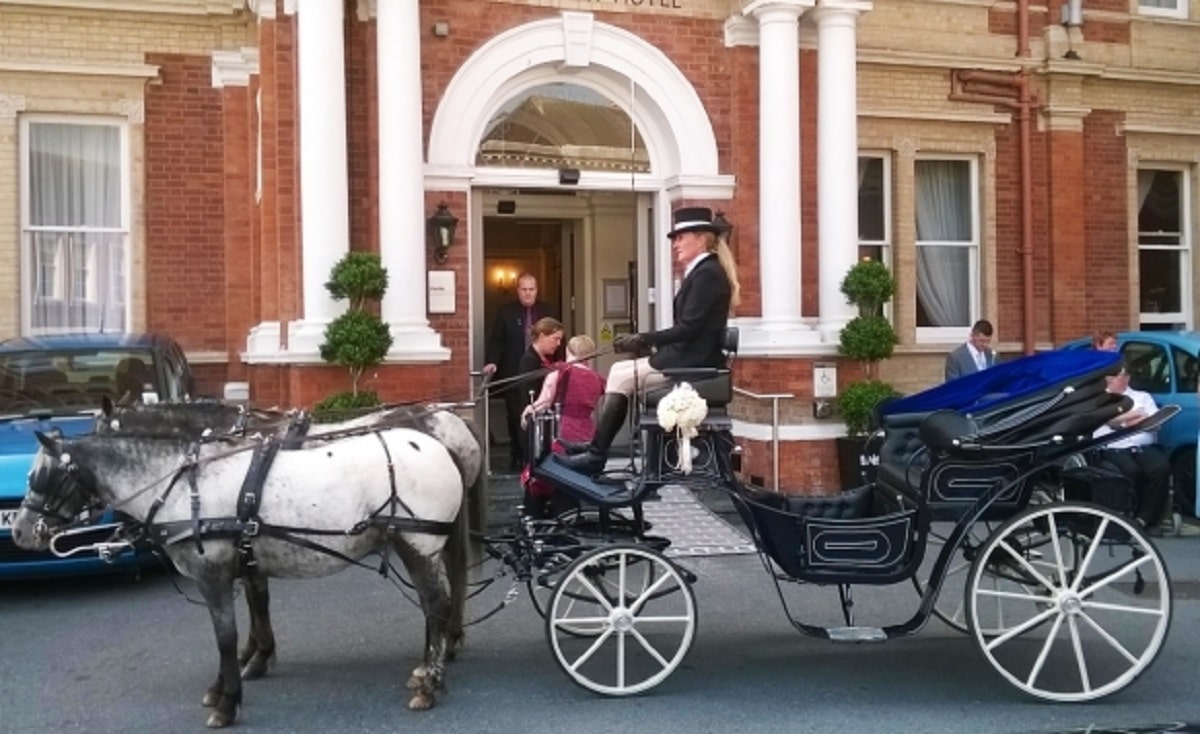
(627, 374)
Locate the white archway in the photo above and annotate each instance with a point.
(626, 69)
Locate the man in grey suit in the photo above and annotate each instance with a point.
(973, 356)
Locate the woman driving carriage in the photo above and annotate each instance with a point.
(708, 292)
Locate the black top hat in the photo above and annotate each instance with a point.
(692, 219)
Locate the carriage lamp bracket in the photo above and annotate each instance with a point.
(441, 226)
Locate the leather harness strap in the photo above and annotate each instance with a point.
(248, 524)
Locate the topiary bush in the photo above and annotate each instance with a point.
(358, 339)
(868, 338)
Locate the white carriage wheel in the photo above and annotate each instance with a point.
(643, 613)
(950, 606)
(1085, 616)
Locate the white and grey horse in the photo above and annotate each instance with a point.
(351, 493)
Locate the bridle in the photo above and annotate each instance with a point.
(54, 502)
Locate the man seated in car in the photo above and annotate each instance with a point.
(1136, 456)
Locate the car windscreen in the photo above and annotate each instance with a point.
(73, 380)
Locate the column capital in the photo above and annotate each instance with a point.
(834, 8)
(776, 10)
(234, 68)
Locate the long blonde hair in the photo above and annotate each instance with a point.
(719, 247)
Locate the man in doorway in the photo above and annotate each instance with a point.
(975, 355)
(508, 341)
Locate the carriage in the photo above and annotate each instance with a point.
(1062, 592)
(1066, 598)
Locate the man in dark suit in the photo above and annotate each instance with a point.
(708, 291)
(508, 341)
(975, 355)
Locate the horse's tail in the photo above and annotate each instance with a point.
(457, 560)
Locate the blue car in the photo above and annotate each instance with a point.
(57, 382)
(1166, 364)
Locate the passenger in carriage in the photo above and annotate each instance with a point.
(709, 290)
(1137, 457)
(576, 388)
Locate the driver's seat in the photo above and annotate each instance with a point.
(715, 385)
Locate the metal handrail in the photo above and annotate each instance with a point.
(774, 398)
(486, 436)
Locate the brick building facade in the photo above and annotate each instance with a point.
(255, 148)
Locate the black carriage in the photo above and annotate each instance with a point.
(1067, 600)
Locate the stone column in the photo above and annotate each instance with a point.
(324, 187)
(402, 184)
(779, 163)
(837, 163)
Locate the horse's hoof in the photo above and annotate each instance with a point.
(221, 719)
(210, 699)
(421, 702)
(414, 682)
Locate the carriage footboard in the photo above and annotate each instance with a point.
(620, 492)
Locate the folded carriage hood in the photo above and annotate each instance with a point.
(18, 445)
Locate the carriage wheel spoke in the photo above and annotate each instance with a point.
(1029, 596)
(1116, 574)
(1021, 628)
(621, 657)
(599, 596)
(649, 647)
(587, 654)
(1108, 607)
(1093, 548)
(1112, 641)
(568, 622)
(1024, 562)
(1045, 651)
(1080, 660)
(641, 600)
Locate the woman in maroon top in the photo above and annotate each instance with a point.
(576, 387)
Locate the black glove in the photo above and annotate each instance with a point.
(631, 343)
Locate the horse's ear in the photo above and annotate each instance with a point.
(52, 446)
(106, 406)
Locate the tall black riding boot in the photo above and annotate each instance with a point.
(609, 419)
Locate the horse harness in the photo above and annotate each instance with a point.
(248, 524)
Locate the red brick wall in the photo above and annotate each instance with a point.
(185, 257)
(810, 296)
(1064, 153)
(1105, 222)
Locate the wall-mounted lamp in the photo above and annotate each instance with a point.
(723, 225)
(441, 232)
(1071, 16)
(1071, 13)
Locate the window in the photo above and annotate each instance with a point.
(74, 224)
(947, 214)
(1165, 8)
(1164, 249)
(874, 208)
(1149, 367)
(562, 125)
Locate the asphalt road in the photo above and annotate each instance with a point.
(118, 655)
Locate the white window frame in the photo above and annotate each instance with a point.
(948, 334)
(28, 260)
(1185, 249)
(886, 243)
(1180, 11)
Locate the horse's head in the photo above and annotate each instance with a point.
(59, 490)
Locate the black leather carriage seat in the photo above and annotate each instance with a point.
(714, 384)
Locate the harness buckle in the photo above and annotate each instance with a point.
(250, 529)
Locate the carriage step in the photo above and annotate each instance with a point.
(856, 634)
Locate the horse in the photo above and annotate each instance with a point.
(197, 419)
(330, 502)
